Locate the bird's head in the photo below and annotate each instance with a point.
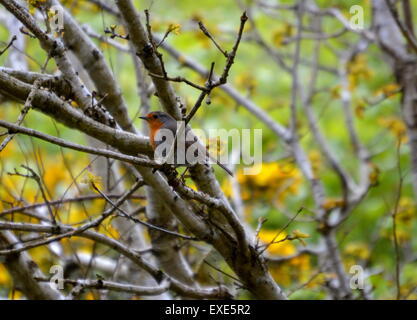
(157, 118)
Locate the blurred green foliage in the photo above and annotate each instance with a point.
(257, 76)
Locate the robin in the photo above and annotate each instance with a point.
(162, 131)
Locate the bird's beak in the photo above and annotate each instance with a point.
(144, 118)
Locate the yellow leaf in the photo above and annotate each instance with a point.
(281, 247)
(389, 89)
(332, 203)
(358, 69)
(175, 28)
(55, 174)
(90, 179)
(4, 276)
(36, 3)
(246, 81)
(51, 13)
(298, 235)
(396, 126)
(315, 160)
(181, 59)
(8, 150)
(281, 33)
(374, 174)
(335, 92)
(15, 295)
(89, 296)
(358, 250)
(360, 108)
(406, 211)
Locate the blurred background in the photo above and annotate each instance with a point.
(333, 82)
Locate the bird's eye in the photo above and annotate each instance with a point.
(155, 116)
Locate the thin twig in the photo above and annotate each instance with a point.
(217, 204)
(133, 255)
(167, 33)
(149, 225)
(408, 34)
(208, 35)
(101, 284)
(63, 143)
(261, 222)
(62, 201)
(93, 224)
(8, 45)
(23, 113)
(280, 231)
(153, 44)
(33, 175)
(408, 16)
(314, 276)
(231, 56)
(222, 272)
(223, 78)
(178, 79)
(114, 34)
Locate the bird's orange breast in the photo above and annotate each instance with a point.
(154, 126)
